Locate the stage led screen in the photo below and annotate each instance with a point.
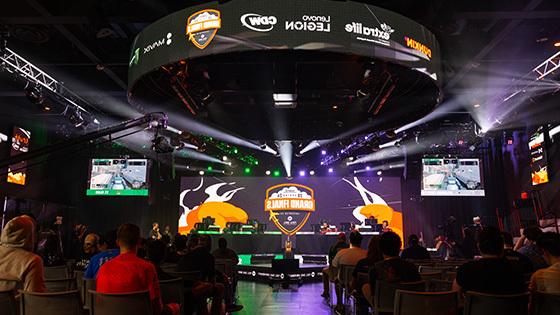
(20, 144)
(451, 176)
(539, 166)
(118, 177)
(292, 205)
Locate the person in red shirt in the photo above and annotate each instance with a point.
(128, 273)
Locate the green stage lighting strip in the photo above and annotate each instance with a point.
(117, 192)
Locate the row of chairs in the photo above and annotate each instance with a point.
(70, 302)
(434, 294)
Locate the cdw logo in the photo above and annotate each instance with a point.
(258, 23)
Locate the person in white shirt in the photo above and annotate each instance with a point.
(348, 256)
(548, 279)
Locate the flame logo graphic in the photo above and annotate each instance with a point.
(375, 206)
(216, 206)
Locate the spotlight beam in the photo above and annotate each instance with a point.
(285, 149)
(195, 155)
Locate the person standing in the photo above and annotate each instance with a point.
(167, 237)
(154, 233)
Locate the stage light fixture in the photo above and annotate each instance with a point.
(34, 93)
(247, 170)
(302, 173)
(201, 173)
(224, 158)
(276, 173)
(379, 173)
(323, 152)
(209, 168)
(368, 168)
(312, 172)
(476, 105)
(557, 44)
(267, 173)
(331, 170)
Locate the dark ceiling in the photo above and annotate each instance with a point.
(86, 43)
(69, 39)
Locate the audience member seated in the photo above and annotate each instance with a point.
(328, 272)
(493, 273)
(111, 251)
(48, 247)
(527, 246)
(548, 279)
(520, 261)
(223, 252)
(347, 256)
(392, 268)
(17, 261)
(128, 273)
(156, 254)
(414, 250)
(373, 256)
(179, 249)
(200, 259)
(89, 249)
(90, 246)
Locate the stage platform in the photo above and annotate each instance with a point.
(304, 243)
(264, 272)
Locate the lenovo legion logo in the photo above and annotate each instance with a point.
(258, 23)
(166, 40)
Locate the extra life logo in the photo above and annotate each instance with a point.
(163, 41)
(380, 35)
(258, 23)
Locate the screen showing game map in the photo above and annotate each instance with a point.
(118, 177)
(451, 176)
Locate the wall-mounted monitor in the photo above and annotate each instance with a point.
(118, 177)
(451, 176)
